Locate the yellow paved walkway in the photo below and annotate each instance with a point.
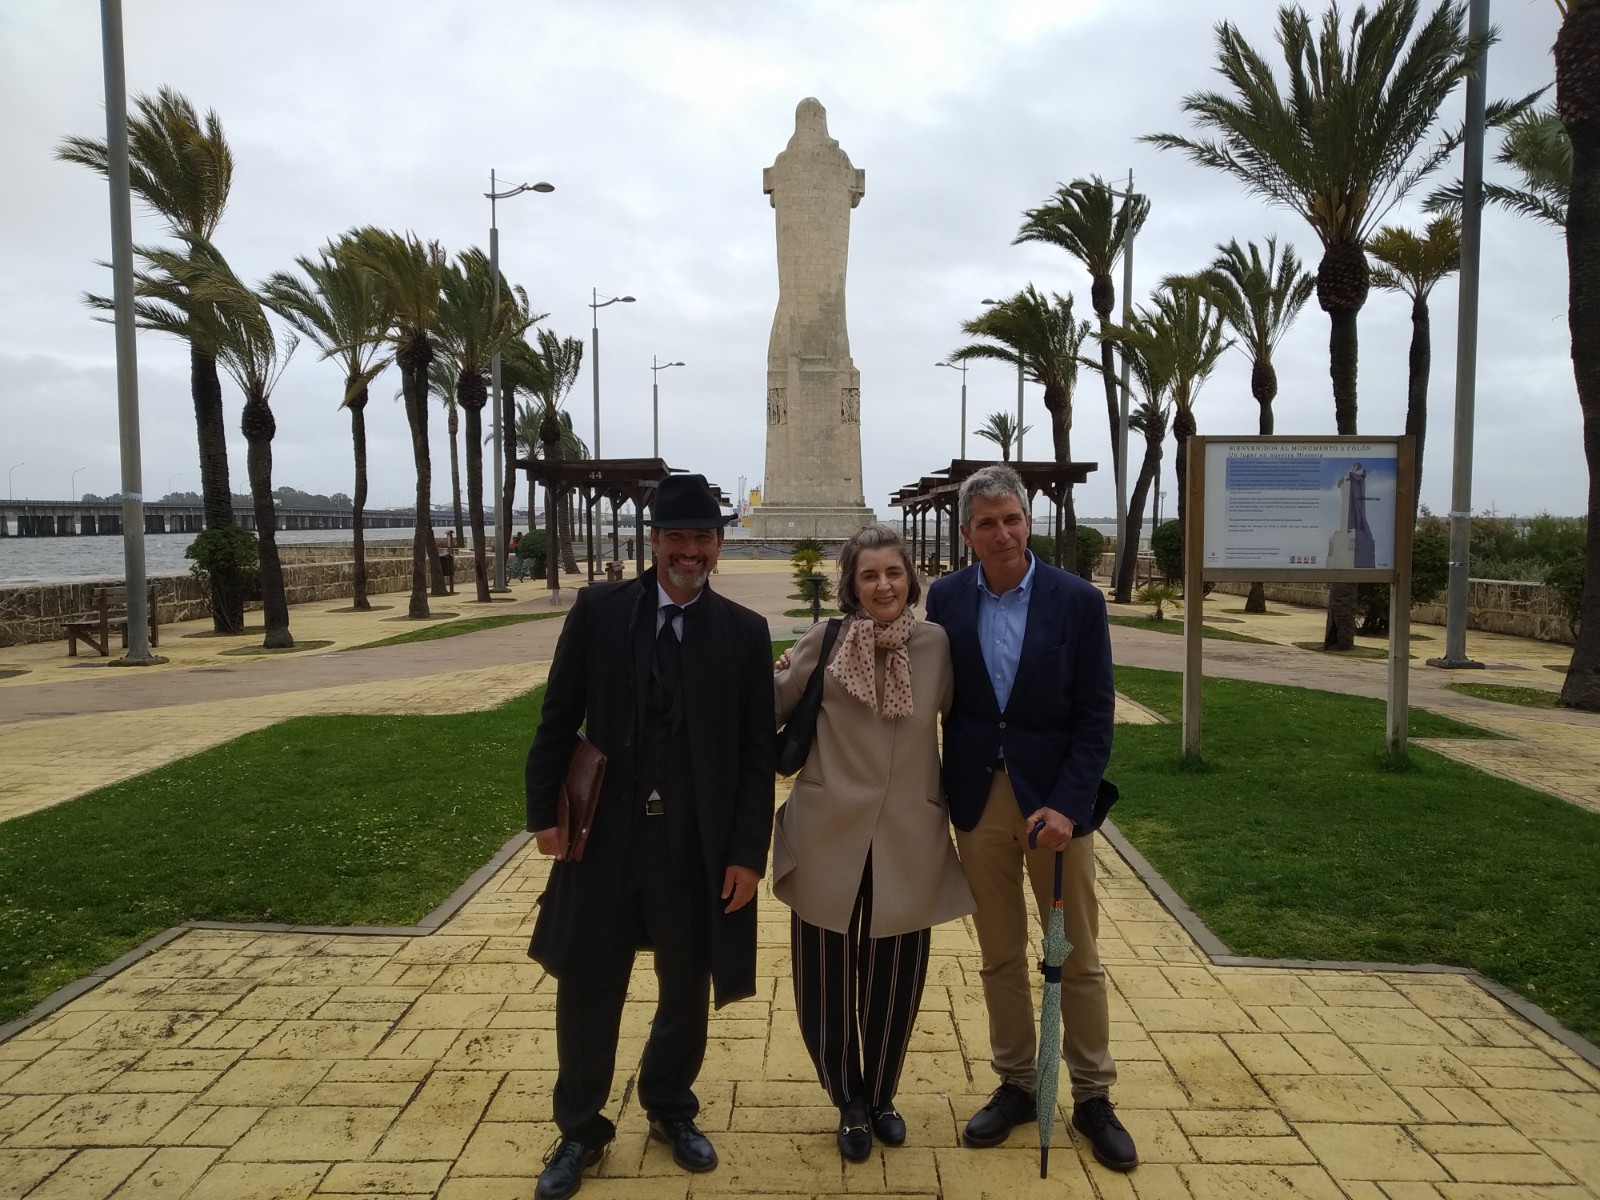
(235, 1064)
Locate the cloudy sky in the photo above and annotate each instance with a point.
(654, 119)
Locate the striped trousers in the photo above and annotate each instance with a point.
(857, 998)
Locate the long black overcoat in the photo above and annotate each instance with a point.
(598, 682)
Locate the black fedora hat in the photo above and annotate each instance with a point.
(685, 502)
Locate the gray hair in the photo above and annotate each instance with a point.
(873, 537)
(994, 482)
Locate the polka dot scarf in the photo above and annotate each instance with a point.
(854, 663)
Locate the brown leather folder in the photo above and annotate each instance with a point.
(580, 793)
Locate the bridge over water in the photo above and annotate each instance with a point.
(77, 518)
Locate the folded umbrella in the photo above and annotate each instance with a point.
(1056, 949)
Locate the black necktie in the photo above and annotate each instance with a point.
(669, 657)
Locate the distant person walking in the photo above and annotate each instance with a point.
(674, 684)
(1025, 749)
(862, 849)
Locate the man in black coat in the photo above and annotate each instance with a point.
(674, 684)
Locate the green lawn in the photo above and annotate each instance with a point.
(1295, 841)
(1526, 696)
(318, 820)
(432, 633)
(1174, 626)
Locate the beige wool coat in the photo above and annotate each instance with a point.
(870, 783)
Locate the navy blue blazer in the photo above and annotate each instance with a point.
(1056, 727)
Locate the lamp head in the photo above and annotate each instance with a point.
(541, 186)
(624, 299)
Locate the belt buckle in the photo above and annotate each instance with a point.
(654, 805)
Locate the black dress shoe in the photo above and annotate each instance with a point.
(1097, 1121)
(855, 1135)
(889, 1126)
(563, 1168)
(992, 1124)
(691, 1149)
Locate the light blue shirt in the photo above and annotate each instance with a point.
(1002, 620)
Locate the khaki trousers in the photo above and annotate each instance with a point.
(993, 855)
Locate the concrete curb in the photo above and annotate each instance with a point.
(428, 924)
(1214, 948)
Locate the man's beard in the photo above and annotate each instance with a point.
(691, 582)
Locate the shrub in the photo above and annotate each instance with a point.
(1091, 544)
(1167, 545)
(1043, 546)
(1430, 574)
(227, 561)
(1565, 579)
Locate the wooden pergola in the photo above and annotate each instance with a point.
(613, 479)
(939, 494)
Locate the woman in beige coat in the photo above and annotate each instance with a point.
(862, 850)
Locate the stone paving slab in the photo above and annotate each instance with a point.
(237, 1063)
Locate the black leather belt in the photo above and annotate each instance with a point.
(654, 805)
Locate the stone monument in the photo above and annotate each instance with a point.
(1351, 544)
(813, 471)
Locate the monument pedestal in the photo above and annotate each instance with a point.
(789, 521)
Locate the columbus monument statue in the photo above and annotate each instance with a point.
(813, 472)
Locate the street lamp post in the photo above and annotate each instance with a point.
(11, 495)
(655, 404)
(595, 305)
(170, 478)
(962, 367)
(502, 518)
(72, 488)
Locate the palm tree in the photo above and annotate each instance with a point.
(410, 275)
(1412, 265)
(1535, 145)
(1001, 429)
(518, 373)
(1151, 361)
(1043, 337)
(555, 365)
(182, 168)
(339, 307)
(471, 331)
(1339, 147)
(1578, 105)
(1087, 221)
(1180, 334)
(1259, 298)
(248, 351)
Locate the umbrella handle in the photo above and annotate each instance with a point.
(1034, 832)
(1060, 856)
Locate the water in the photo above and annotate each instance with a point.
(62, 559)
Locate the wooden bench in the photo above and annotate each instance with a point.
(111, 612)
(614, 570)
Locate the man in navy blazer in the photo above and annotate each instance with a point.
(1025, 749)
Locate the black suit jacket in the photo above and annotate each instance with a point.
(1057, 724)
(598, 682)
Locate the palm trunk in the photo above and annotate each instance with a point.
(1578, 101)
(216, 493)
(1343, 605)
(1183, 428)
(1108, 363)
(508, 481)
(1264, 387)
(259, 427)
(1420, 364)
(358, 506)
(569, 561)
(552, 505)
(1141, 492)
(469, 390)
(413, 359)
(453, 426)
